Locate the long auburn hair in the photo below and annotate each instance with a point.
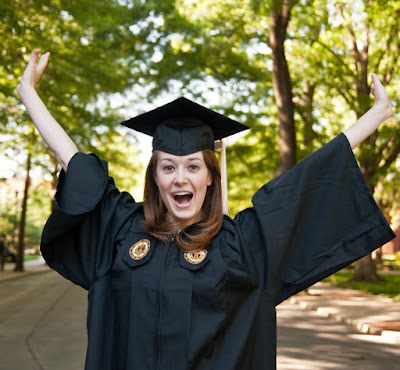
(193, 237)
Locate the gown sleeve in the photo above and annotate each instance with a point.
(312, 221)
(80, 236)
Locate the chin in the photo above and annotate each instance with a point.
(185, 219)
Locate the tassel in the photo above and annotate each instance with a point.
(224, 179)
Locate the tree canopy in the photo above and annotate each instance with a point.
(111, 59)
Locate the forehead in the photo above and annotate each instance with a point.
(164, 156)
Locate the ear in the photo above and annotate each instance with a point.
(209, 180)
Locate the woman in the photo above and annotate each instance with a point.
(172, 283)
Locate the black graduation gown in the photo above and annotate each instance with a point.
(163, 312)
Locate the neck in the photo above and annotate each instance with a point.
(179, 225)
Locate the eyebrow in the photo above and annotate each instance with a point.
(189, 159)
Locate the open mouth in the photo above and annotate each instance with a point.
(183, 198)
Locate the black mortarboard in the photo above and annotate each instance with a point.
(183, 127)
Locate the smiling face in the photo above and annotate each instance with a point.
(182, 182)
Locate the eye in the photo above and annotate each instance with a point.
(168, 168)
(193, 167)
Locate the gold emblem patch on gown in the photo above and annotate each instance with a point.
(196, 257)
(139, 249)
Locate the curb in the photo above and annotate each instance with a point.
(365, 328)
(12, 275)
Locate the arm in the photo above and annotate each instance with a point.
(371, 120)
(53, 134)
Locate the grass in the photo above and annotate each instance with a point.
(389, 287)
(30, 257)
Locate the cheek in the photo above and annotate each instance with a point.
(163, 195)
(158, 184)
(163, 187)
(159, 179)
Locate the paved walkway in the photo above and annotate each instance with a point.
(367, 313)
(31, 267)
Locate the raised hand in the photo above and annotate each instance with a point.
(33, 71)
(381, 98)
(53, 134)
(371, 120)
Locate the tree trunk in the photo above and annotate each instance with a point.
(365, 270)
(305, 109)
(282, 85)
(19, 266)
(14, 241)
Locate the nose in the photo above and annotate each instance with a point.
(180, 177)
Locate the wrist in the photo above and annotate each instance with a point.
(383, 110)
(24, 89)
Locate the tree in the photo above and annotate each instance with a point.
(234, 56)
(282, 83)
(90, 60)
(361, 38)
(340, 45)
(218, 51)
(19, 266)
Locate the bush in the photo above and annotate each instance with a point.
(388, 287)
(391, 261)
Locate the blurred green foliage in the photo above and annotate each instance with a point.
(389, 286)
(115, 58)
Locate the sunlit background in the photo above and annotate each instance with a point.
(111, 60)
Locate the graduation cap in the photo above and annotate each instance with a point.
(183, 127)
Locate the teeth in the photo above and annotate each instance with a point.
(183, 193)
